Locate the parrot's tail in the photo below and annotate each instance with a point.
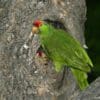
(81, 78)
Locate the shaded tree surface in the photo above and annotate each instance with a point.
(24, 76)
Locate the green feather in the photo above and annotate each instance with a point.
(63, 50)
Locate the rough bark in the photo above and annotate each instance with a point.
(91, 93)
(23, 76)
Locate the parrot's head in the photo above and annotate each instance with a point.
(39, 26)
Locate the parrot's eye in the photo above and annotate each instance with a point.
(37, 23)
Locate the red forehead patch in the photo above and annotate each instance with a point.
(37, 23)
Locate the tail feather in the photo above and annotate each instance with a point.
(81, 78)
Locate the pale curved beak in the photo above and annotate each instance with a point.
(35, 30)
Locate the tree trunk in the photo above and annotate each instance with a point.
(23, 76)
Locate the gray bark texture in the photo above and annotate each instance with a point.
(91, 93)
(24, 76)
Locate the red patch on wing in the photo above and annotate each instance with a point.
(37, 23)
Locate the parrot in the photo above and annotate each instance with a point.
(64, 50)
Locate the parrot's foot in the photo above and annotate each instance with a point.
(42, 55)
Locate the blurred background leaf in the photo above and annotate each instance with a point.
(92, 34)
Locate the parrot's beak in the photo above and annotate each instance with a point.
(35, 30)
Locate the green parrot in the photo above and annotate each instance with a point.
(64, 50)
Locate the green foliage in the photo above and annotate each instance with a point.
(93, 35)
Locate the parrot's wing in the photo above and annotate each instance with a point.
(63, 49)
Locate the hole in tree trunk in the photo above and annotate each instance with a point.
(56, 24)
